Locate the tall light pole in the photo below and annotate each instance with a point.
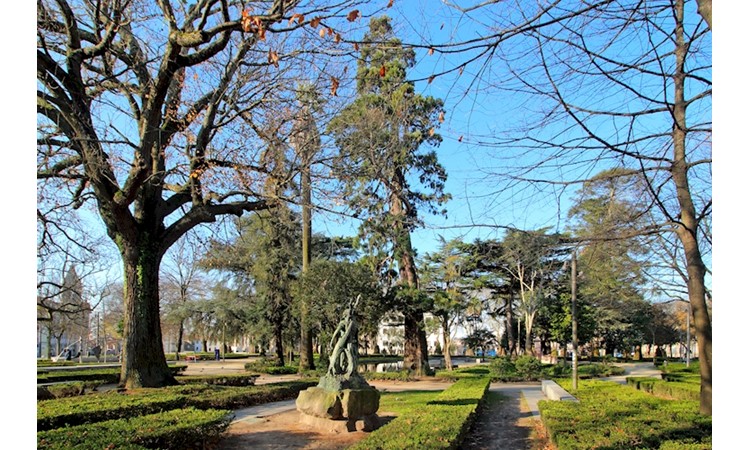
(574, 319)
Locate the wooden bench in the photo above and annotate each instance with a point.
(192, 358)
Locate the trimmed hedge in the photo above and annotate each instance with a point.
(205, 356)
(614, 416)
(67, 389)
(441, 424)
(464, 372)
(270, 368)
(675, 390)
(100, 407)
(105, 376)
(222, 397)
(401, 375)
(219, 380)
(92, 408)
(187, 428)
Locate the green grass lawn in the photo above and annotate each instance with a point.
(404, 402)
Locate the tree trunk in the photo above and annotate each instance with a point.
(180, 332)
(447, 344)
(143, 360)
(415, 357)
(278, 339)
(529, 344)
(687, 226)
(415, 339)
(509, 324)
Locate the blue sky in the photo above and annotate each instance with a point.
(730, 155)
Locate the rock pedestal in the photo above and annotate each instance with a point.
(340, 404)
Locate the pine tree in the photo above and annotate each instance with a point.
(379, 136)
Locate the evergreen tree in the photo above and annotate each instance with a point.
(379, 136)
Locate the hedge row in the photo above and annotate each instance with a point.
(614, 416)
(460, 373)
(219, 380)
(183, 429)
(66, 389)
(441, 424)
(100, 407)
(675, 390)
(205, 356)
(401, 375)
(107, 376)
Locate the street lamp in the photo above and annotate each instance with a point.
(573, 318)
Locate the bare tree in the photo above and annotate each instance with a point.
(138, 106)
(609, 85)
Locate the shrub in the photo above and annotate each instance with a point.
(91, 408)
(219, 380)
(522, 368)
(69, 389)
(186, 428)
(610, 415)
(100, 407)
(467, 372)
(269, 366)
(441, 424)
(675, 390)
(401, 375)
(528, 367)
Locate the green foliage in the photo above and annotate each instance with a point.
(185, 428)
(405, 402)
(463, 372)
(679, 388)
(98, 407)
(400, 375)
(270, 368)
(206, 356)
(225, 397)
(328, 286)
(219, 380)
(441, 423)
(521, 368)
(70, 389)
(610, 415)
(103, 406)
(102, 376)
(528, 367)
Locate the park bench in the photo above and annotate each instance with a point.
(554, 391)
(192, 358)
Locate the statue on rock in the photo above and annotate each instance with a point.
(342, 400)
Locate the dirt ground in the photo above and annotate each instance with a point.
(506, 423)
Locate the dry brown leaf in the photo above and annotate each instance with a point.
(431, 132)
(322, 32)
(441, 117)
(461, 138)
(273, 58)
(315, 22)
(390, 3)
(356, 47)
(382, 71)
(334, 85)
(353, 15)
(337, 38)
(430, 51)
(429, 80)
